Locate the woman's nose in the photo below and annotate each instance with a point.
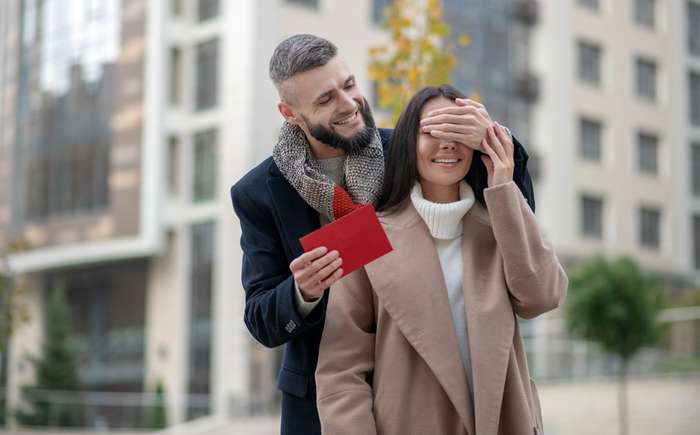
(448, 146)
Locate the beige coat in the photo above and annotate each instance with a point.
(389, 361)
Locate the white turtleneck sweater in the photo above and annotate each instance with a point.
(444, 222)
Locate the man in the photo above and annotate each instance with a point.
(329, 159)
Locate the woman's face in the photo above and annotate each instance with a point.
(441, 162)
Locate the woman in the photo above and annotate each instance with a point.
(424, 340)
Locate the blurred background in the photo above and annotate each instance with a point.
(123, 124)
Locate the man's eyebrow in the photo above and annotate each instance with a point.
(350, 79)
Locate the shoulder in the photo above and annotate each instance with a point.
(255, 180)
(385, 134)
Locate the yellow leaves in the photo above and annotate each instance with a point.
(464, 40)
(417, 54)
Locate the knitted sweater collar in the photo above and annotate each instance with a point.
(444, 221)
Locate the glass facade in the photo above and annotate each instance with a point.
(202, 248)
(67, 82)
(496, 62)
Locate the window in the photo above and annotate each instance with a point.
(207, 9)
(696, 241)
(590, 4)
(645, 13)
(589, 62)
(205, 160)
(694, 95)
(648, 153)
(310, 3)
(590, 140)
(207, 74)
(173, 165)
(202, 248)
(178, 8)
(646, 79)
(592, 217)
(695, 169)
(68, 95)
(175, 76)
(694, 28)
(378, 7)
(649, 227)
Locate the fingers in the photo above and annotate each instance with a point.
(487, 145)
(445, 118)
(306, 258)
(450, 128)
(495, 142)
(454, 110)
(450, 136)
(505, 139)
(315, 288)
(312, 269)
(488, 163)
(469, 102)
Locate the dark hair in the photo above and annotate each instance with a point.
(297, 54)
(401, 161)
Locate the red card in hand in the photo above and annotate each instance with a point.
(357, 236)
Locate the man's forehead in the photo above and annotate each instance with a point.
(316, 81)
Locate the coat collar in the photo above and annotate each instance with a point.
(419, 304)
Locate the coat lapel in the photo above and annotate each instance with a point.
(294, 215)
(490, 319)
(410, 284)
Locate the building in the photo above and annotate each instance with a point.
(123, 124)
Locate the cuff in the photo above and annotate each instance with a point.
(303, 307)
(503, 199)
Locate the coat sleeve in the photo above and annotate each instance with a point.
(536, 280)
(271, 314)
(346, 359)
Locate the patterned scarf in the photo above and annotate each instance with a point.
(364, 174)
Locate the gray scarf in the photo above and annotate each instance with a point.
(364, 174)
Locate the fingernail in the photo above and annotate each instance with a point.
(335, 254)
(324, 249)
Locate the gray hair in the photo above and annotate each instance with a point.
(297, 54)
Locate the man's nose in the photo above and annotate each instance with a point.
(347, 103)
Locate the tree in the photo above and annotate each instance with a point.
(416, 56)
(13, 313)
(56, 370)
(157, 417)
(615, 304)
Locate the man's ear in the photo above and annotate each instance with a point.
(287, 112)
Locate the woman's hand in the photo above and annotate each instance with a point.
(499, 160)
(465, 123)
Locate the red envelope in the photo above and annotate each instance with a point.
(357, 236)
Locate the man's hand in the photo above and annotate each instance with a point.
(315, 271)
(499, 160)
(465, 124)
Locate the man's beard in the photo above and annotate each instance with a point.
(358, 142)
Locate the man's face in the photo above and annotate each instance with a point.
(327, 104)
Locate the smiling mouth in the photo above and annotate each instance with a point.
(349, 119)
(446, 161)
